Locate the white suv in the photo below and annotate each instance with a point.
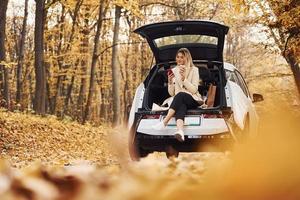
(230, 119)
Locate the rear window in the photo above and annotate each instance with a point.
(185, 39)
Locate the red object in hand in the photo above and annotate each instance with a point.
(169, 71)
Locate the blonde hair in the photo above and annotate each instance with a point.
(187, 54)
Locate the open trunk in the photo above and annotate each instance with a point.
(205, 129)
(204, 39)
(157, 87)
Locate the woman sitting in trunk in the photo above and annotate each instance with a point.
(183, 83)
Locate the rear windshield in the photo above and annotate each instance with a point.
(185, 39)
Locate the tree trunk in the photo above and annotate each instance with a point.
(115, 69)
(6, 88)
(83, 85)
(21, 58)
(3, 70)
(295, 69)
(127, 90)
(59, 61)
(84, 49)
(31, 91)
(26, 94)
(40, 72)
(94, 62)
(74, 24)
(68, 96)
(102, 88)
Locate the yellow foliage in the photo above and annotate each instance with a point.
(240, 6)
(26, 139)
(8, 65)
(131, 6)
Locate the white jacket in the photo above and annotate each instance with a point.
(189, 85)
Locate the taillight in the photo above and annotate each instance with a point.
(213, 116)
(227, 112)
(151, 117)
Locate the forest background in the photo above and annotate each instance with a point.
(80, 60)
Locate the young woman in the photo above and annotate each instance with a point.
(183, 85)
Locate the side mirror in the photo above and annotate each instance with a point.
(257, 98)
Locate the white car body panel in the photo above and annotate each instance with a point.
(207, 127)
(228, 97)
(240, 104)
(136, 104)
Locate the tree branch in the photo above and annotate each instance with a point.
(268, 75)
(159, 3)
(122, 43)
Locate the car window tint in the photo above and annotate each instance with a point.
(185, 39)
(242, 83)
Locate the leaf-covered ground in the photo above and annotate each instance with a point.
(25, 139)
(95, 164)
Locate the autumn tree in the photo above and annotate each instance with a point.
(94, 60)
(115, 68)
(21, 56)
(79, 64)
(84, 50)
(131, 6)
(287, 26)
(281, 19)
(4, 74)
(40, 71)
(74, 13)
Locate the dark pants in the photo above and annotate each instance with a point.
(181, 102)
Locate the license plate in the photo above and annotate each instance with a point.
(188, 121)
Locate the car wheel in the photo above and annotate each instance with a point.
(135, 151)
(171, 152)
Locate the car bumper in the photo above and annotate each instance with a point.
(192, 143)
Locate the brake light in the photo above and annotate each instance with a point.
(151, 117)
(227, 112)
(213, 116)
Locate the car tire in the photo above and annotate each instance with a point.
(135, 151)
(171, 152)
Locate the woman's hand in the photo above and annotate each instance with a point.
(170, 77)
(182, 72)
